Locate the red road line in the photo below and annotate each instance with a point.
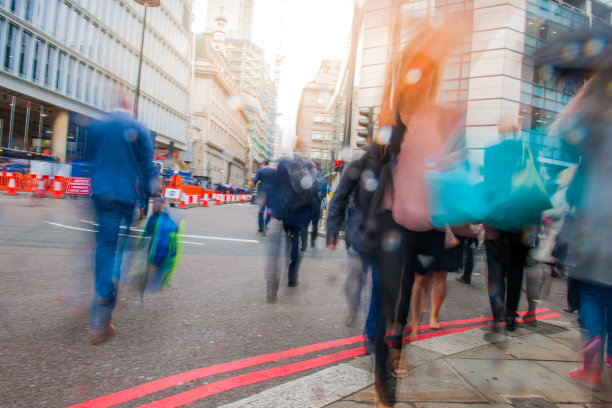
(227, 384)
(188, 376)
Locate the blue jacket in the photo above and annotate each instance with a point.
(281, 196)
(267, 177)
(120, 151)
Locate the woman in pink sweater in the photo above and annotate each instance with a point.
(410, 249)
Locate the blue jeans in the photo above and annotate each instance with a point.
(353, 287)
(111, 216)
(262, 199)
(279, 246)
(596, 312)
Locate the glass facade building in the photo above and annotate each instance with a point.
(68, 55)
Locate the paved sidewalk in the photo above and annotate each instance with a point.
(474, 368)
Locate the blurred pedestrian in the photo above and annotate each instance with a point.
(358, 181)
(291, 196)
(586, 124)
(467, 261)
(315, 210)
(119, 148)
(264, 179)
(407, 243)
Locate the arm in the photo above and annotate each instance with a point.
(338, 204)
(143, 152)
(257, 178)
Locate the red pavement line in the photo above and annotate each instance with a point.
(186, 397)
(167, 382)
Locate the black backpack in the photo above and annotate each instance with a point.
(305, 185)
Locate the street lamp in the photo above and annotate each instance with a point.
(146, 4)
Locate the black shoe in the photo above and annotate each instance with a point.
(293, 284)
(312, 244)
(569, 309)
(260, 230)
(511, 322)
(463, 279)
(304, 248)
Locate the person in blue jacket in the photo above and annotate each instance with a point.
(358, 181)
(121, 153)
(265, 176)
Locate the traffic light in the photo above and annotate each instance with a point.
(367, 123)
(338, 166)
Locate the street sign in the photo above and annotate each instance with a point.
(174, 193)
(79, 186)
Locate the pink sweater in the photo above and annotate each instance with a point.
(424, 138)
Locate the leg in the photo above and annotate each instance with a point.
(110, 215)
(276, 245)
(573, 296)
(260, 215)
(420, 289)
(438, 294)
(303, 233)
(354, 285)
(295, 255)
(517, 254)
(468, 256)
(316, 214)
(374, 312)
(496, 259)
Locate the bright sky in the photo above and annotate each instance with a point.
(313, 30)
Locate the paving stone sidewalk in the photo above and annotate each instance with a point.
(481, 368)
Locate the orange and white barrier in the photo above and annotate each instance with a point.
(12, 184)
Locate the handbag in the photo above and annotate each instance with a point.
(514, 193)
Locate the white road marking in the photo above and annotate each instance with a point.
(138, 236)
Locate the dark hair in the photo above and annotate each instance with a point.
(266, 162)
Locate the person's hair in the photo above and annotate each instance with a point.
(266, 162)
(395, 91)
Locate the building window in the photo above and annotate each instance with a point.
(70, 75)
(317, 135)
(51, 51)
(38, 56)
(322, 118)
(79, 80)
(61, 71)
(29, 9)
(24, 53)
(11, 45)
(88, 78)
(15, 6)
(40, 13)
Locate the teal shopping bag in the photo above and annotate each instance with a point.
(455, 196)
(514, 193)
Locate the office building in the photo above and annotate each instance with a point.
(61, 59)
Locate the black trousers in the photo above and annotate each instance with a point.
(467, 245)
(506, 255)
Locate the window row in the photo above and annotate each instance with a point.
(75, 29)
(322, 118)
(318, 135)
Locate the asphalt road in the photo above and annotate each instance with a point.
(213, 313)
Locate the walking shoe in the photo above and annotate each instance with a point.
(463, 279)
(293, 284)
(593, 380)
(103, 335)
(511, 321)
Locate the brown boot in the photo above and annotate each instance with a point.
(103, 335)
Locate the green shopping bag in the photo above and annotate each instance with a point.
(513, 190)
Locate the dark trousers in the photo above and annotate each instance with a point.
(111, 216)
(506, 257)
(573, 295)
(293, 235)
(467, 245)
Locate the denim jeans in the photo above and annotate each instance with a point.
(359, 265)
(282, 240)
(596, 312)
(111, 216)
(263, 218)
